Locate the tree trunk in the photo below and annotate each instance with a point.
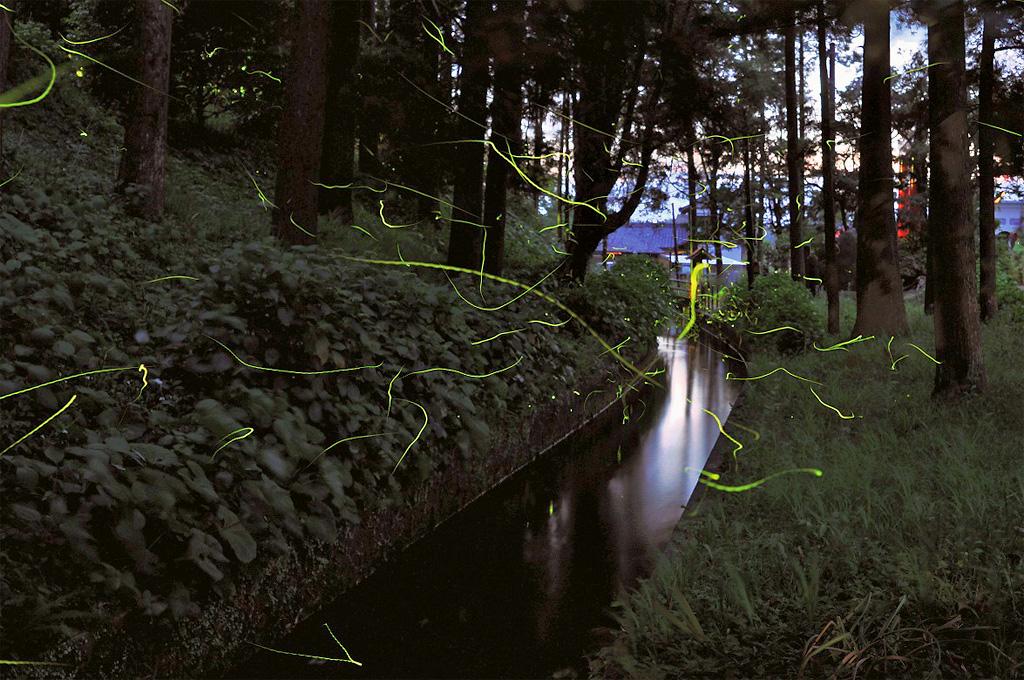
(880, 309)
(748, 217)
(145, 134)
(828, 194)
(5, 55)
(464, 239)
(337, 162)
(986, 172)
(506, 116)
(301, 130)
(956, 319)
(691, 188)
(793, 163)
(368, 131)
(802, 96)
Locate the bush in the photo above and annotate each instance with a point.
(1010, 283)
(776, 300)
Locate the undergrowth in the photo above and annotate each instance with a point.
(904, 559)
(150, 498)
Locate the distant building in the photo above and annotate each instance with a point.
(1009, 216)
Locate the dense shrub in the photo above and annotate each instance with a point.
(153, 498)
(1010, 283)
(776, 300)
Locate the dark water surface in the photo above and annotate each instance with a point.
(513, 586)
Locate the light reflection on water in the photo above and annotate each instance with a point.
(512, 586)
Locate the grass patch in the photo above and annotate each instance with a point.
(904, 558)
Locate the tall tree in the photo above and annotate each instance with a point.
(748, 217)
(956, 319)
(301, 130)
(604, 89)
(337, 161)
(794, 163)
(880, 309)
(145, 132)
(507, 31)
(828, 169)
(986, 171)
(464, 239)
(5, 52)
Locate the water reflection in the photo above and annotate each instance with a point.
(512, 586)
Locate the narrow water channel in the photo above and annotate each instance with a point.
(513, 586)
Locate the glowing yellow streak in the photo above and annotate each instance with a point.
(40, 425)
(8, 9)
(246, 432)
(483, 259)
(70, 377)
(553, 226)
(750, 238)
(757, 435)
(913, 70)
(439, 38)
(209, 55)
(901, 358)
(930, 357)
(291, 218)
(544, 157)
(145, 382)
(841, 345)
(31, 84)
(356, 226)
(167, 278)
(727, 244)
(123, 75)
(342, 441)
(351, 185)
(388, 183)
(392, 226)
(341, 645)
(92, 40)
(11, 662)
(426, 419)
(746, 487)
(730, 140)
(468, 375)
(290, 372)
(12, 177)
(265, 73)
(511, 161)
(775, 330)
(638, 165)
(495, 337)
(390, 384)
(312, 656)
(730, 376)
(694, 276)
(264, 201)
(548, 323)
(812, 278)
(805, 242)
(840, 413)
(171, 6)
(1000, 128)
(505, 304)
(529, 289)
(830, 143)
(724, 433)
(616, 347)
(558, 251)
(373, 32)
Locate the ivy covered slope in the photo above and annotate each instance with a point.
(154, 489)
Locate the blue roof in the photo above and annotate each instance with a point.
(645, 237)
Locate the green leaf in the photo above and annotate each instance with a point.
(236, 535)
